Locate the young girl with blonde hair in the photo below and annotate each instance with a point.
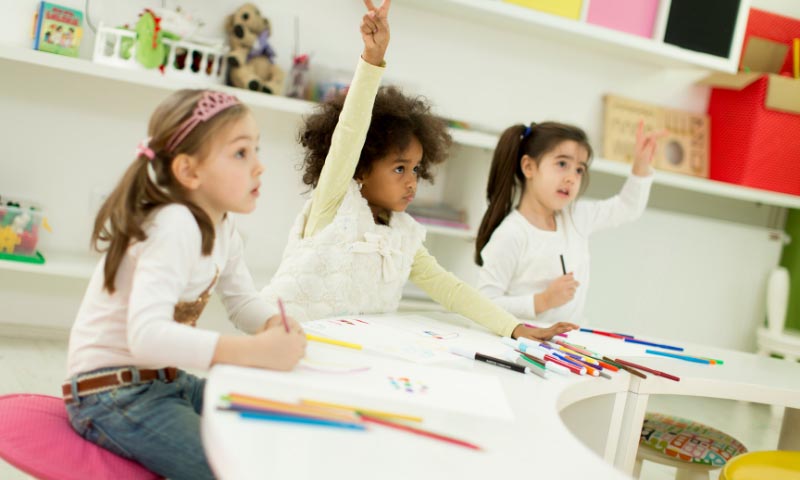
(169, 242)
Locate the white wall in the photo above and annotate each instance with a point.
(67, 135)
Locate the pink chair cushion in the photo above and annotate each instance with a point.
(36, 437)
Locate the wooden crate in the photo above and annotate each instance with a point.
(684, 149)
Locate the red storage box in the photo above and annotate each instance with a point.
(755, 121)
(752, 145)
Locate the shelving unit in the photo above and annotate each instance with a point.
(75, 266)
(583, 35)
(466, 138)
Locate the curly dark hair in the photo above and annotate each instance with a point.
(396, 119)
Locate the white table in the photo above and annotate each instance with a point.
(743, 376)
(535, 443)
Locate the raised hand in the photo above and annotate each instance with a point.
(375, 32)
(645, 150)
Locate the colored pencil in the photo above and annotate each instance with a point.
(651, 344)
(360, 410)
(563, 267)
(283, 315)
(418, 431)
(601, 332)
(630, 370)
(302, 420)
(283, 407)
(687, 358)
(648, 369)
(315, 338)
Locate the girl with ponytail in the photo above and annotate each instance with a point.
(168, 243)
(532, 243)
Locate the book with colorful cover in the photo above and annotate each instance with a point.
(57, 29)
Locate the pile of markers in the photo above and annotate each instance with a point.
(559, 356)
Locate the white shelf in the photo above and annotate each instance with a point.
(148, 78)
(467, 138)
(581, 34)
(56, 264)
(702, 185)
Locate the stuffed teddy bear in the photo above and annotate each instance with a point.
(250, 60)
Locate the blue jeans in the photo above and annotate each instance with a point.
(156, 424)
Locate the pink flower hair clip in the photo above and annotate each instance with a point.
(144, 149)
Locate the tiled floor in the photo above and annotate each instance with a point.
(37, 366)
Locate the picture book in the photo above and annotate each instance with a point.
(57, 29)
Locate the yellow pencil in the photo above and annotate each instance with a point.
(331, 341)
(365, 411)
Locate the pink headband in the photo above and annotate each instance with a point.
(210, 104)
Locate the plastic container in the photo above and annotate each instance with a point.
(20, 225)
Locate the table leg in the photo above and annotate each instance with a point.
(615, 425)
(630, 431)
(790, 430)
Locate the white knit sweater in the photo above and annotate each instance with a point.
(351, 266)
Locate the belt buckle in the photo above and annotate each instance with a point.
(121, 381)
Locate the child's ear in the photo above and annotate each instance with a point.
(528, 166)
(184, 168)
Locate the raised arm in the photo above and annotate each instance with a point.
(351, 130)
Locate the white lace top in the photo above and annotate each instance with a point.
(337, 272)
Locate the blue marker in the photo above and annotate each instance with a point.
(651, 344)
(679, 357)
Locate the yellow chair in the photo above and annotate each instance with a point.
(771, 465)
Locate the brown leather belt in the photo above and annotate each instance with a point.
(109, 380)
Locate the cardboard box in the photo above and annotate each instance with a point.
(562, 8)
(684, 148)
(755, 121)
(632, 16)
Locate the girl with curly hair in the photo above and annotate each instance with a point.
(353, 247)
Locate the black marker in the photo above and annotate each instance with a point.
(497, 362)
(563, 267)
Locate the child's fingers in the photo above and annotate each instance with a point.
(369, 5)
(366, 29)
(370, 24)
(384, 10)
(640, 134)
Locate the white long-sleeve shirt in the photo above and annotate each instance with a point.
(135, 326)
(521, 260)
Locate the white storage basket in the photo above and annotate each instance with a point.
(212, 64)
